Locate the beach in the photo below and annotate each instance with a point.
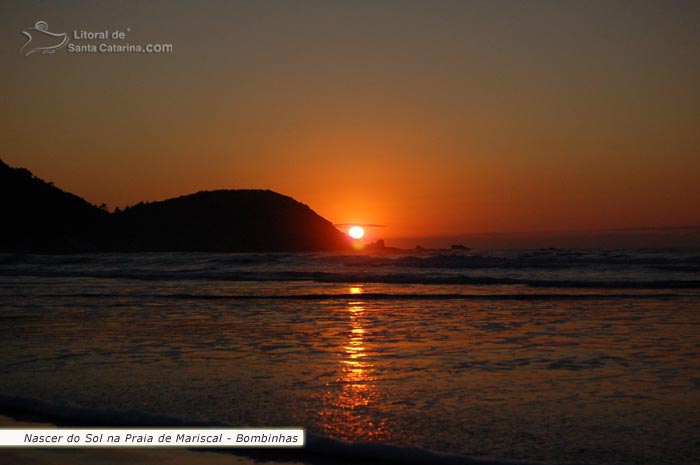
(545, 356)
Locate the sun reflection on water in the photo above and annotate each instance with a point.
(347, 401)
(356, 290)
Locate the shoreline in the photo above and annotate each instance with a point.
(23, 412)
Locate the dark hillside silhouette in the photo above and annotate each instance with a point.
(227, 220)
(38, 217)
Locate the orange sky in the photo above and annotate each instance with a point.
(429, 118)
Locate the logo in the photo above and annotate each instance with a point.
(86, 41)
(42, 40)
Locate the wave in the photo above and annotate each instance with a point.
(545, 260)
(318, 450)
(593, 269)
(375, 296)
(686, 260)
(353, 278)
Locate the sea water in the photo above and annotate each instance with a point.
(558, 356)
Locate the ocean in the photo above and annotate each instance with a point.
(554, 356)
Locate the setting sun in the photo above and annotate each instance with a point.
(356, 232)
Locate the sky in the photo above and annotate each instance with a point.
(430, 118)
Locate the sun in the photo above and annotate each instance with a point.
(356, 232)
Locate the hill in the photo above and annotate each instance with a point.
(227, 220)
(39, 217)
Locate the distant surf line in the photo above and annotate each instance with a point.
(374, 296)
(359, 278)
